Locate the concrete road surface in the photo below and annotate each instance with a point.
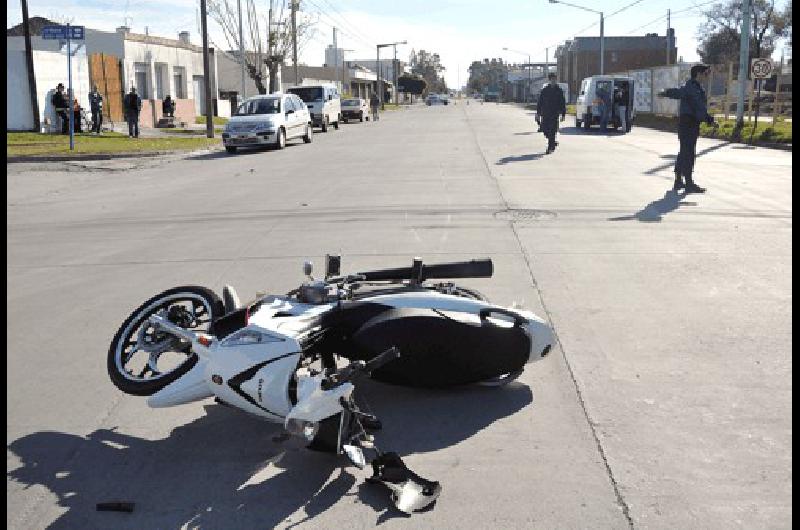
(666, 404)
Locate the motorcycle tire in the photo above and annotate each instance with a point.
(129, 328)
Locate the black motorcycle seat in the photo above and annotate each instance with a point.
(440, 349)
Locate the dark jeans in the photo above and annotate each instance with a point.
(97, 120)
(64, 121)
(549, 129)
(688, 131)
(133, 125)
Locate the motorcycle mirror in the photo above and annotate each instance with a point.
(308, 268)
(332, 265)
(356, 455)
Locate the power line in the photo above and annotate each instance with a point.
(662, 17)
(337, 24)
(353, 27)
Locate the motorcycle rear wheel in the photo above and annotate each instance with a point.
(136, 336)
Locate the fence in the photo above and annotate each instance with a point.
(722, 90)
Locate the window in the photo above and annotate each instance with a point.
(289, 105)
(161, 80)
(259, 106)
(308, 94)
(179, 78)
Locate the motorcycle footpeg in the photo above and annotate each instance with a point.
(409, 492)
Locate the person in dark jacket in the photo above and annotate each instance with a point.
(693, 110)
(168, 106)
(61, 106)
(374, 105)
(133, 105)
(551, 103)
(96, 106)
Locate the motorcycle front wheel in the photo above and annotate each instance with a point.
(141, 359)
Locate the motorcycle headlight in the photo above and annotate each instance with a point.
(247, 337)
(305, 429)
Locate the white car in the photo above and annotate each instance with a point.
(268, 120)
(355, 109)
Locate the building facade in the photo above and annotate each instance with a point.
(579, 58)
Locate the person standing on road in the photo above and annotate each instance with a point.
(693, 110)
(551, 103)
(133, 105)
(60, 104)
(604, 104)
(96, 106)
(374, 104)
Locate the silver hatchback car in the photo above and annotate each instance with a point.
(268, 120)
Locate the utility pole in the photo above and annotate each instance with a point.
(241, 48)
(29, 61)
(294, 42)
(335, 57)
(394, 72)
(379, 84)
(602, 45)
(206, 72)
(668, 36)
(744, 54)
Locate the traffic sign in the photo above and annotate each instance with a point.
(64, 32)
(54, 32)
(761, 68)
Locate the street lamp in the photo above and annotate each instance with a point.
(530, 80)
(602, 43)
(378, 67)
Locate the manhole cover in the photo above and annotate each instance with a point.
(525, 215)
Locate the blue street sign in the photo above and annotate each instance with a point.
(76, 32)
(64, 32)
(54, 32)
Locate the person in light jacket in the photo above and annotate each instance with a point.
(693, 111)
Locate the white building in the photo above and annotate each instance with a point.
(49, 69)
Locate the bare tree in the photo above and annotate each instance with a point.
(265, 47)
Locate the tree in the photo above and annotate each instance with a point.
(411, 84)
(720, 33)
(264, 54)
(428, 66)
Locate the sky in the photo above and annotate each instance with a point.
(460, 31)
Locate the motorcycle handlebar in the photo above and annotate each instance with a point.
(348, 372)
(480, 268)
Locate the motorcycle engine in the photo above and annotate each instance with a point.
(315, 292)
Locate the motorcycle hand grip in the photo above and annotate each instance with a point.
(385, 357)
(480, 268)
(484, 313)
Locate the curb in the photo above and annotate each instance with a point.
(91, 156)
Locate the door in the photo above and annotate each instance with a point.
(199, 95)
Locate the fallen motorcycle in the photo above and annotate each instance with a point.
(278, 356)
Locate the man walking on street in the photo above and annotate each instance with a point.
(133, 104)
(374, 104)
(96, 106)
(604, 104)
(693, 110)
(61, 106)
(551, 103)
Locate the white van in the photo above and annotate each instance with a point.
(324, 103)
(586, 108)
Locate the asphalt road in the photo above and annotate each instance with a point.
(667, 403)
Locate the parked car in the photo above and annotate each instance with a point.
(267, 120)
(436, 99)
(355, 109)
(586, 108)
(324, 103)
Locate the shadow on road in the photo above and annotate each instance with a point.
(229, 470)
(521, 158)
(574, 131)
(656, 210)
(705, 151)
(524, 133)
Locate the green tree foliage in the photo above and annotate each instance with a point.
(720, 33)
(412, 84)
(428, 66)
(487, 75)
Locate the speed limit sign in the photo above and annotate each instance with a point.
(761, 68)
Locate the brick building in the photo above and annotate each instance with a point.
(579, 58)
